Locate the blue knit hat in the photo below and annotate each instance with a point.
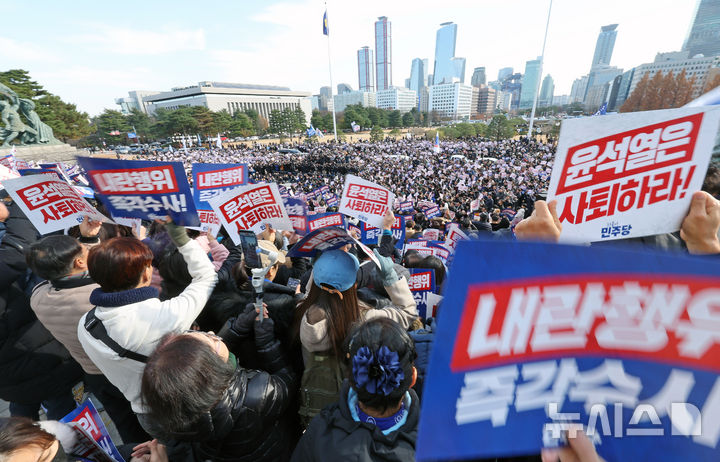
(337, 269)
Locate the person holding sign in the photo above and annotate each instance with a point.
(129, 318)
(377, 414)
(330, 311)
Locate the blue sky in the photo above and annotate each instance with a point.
(90, 52)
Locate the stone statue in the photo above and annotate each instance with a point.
(29, 132)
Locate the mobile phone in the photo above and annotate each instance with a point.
(249, 243)
(293, 283)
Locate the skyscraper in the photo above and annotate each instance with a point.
(604, 45)
(343, 88)
(366, 69)
(458, 69)
(446, 69)
(383, 53)
(530, 83)
(546, 91)
(704, 34)
(504, 72)
(478, 77)
(418, 74)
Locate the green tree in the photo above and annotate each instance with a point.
(299, 120)
(20, 82)
(500, 128)
(241, 125)
(408, 119)
(110, 121)
(394, 118)
(376, 133)
(204, 118)
(182, 121)
(395, 132)
(465, 130)
(141, 122)
(222, 120)
(480, 129)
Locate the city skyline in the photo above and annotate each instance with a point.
(89, 58)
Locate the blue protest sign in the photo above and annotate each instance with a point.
(432, 212)
(422, 283)
(332, 200)
(623, 342)
(321, 240)
(297, 211)
(324, 220)
(142, 189)
(406, 206)
(40, 171)
(370, 234)
(87, 418)
(211, 180)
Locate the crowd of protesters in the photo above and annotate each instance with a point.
(161, 328)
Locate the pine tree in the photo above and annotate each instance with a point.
(632, 103)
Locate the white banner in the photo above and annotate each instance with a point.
(251, 207)
(365, 200)
(50, 204)
(630, 175)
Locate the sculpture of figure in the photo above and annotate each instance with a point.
(13, 124)
(44, 132)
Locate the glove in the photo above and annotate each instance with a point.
(387, 269)
(264, 332)
(243, 324)
(178, 234)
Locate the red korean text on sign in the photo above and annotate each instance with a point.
(148, 180)
(420, 281)
(670, 319)
(629, 153)
(234, 176)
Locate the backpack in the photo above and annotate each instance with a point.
(320, 385)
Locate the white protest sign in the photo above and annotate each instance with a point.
(134, 223)
(209, 222)
(7, 174)
(365, 200)
(454, 236)
(50, 204)
(251, 207)
(630, 175)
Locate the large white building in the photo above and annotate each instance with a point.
(134, 101)
(232, 97)
(401, 99)
(451, 100)
(365, 98)
(676, 62)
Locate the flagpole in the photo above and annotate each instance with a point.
(330, 69)
(537, 87)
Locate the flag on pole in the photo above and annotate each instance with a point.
(310, 131)
(436, 146)
(355, 127)
(219, 142)
(326, 29)
(132, 135)
(199, 140)
(602, 110)
(319, 133)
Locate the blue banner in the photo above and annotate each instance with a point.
(332, 200)
(432, 212)
(624, 343)
(211, 180)
(87, 417)
(324, 220)
(40, 171)
(422, 283)
(406, 206)
(370, 234)
(142, 189)
(321, 240)
(297, 210)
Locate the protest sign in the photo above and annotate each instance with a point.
(622, 342)
(251, 207)
(422, 283)
(142, 189)
(332, 200)
(365, 200)
(93, 440)
(325, 220)
(371, 235)
(405, 206)
(453, 237)
(40, 171)
(431, 234)
(50, 204)
(8, 160)
(134, 223)
(211, 180)
(630, 175)
(7, 174)
(432, 212)
(297, 211)
(327, 239)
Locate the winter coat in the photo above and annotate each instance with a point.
(335, 435)
(136, 319)
(226, 301)
(251, 421)
(59, 306)
(34, 366)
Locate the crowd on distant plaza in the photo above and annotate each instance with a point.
(159, 323)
